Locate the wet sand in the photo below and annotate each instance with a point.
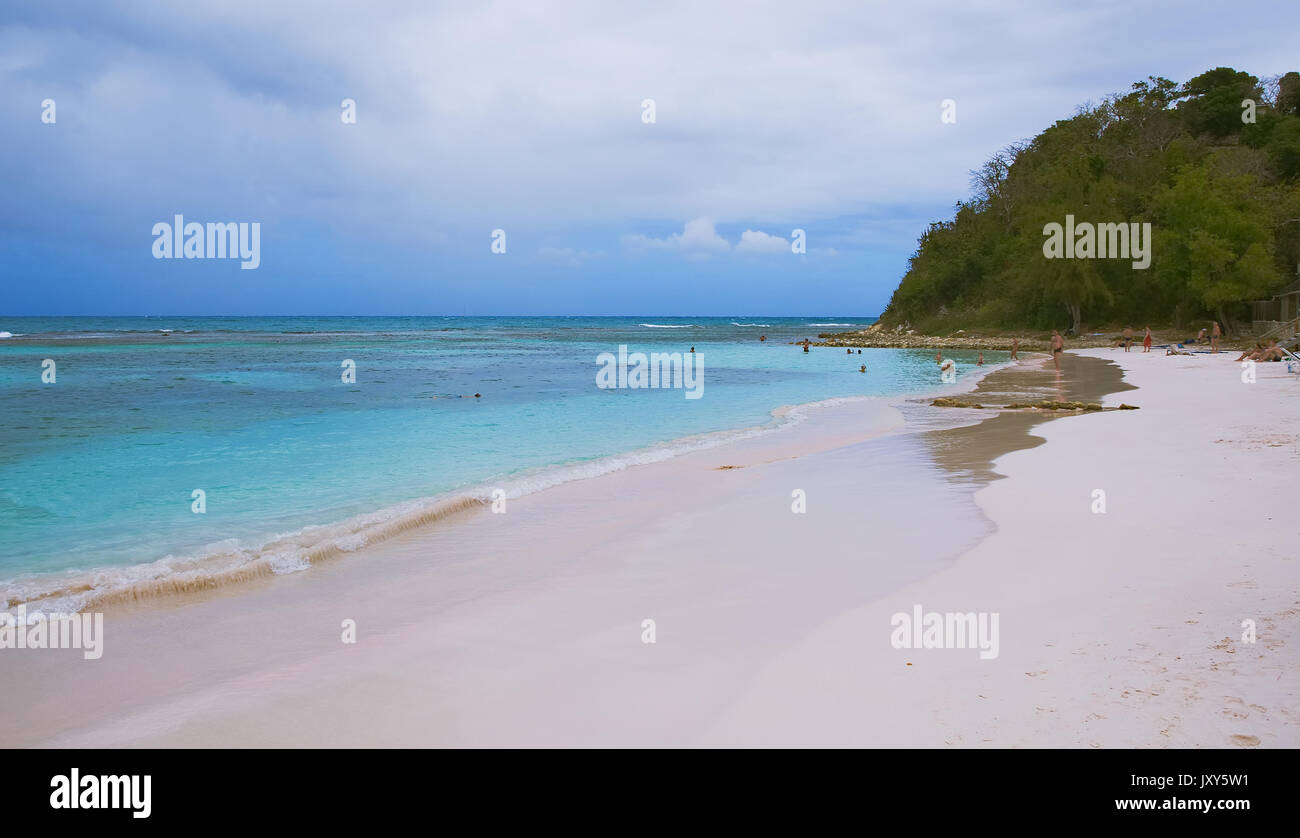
(1144, 572)
(529, 628)
(969, 452)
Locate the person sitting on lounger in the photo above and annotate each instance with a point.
(1251, 355)
(1272, 352)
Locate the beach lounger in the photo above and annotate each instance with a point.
(1292, 362)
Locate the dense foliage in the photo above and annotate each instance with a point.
(1221, 192)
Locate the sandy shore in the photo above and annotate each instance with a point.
(1121, 629)
(773, 627)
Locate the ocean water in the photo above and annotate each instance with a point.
(99, 467)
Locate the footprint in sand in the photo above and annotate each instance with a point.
(1244, 741)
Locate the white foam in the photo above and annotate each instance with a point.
(229, 561)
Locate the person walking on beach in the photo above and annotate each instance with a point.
(1015, 347)
(1146, 341)
(1128, 337)
(1058, 346)
(1215, 334)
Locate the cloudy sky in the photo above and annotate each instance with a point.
(529, 118)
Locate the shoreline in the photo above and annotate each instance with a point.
(391, 584)
(518, 629)
(878, 337)
(1125, 629)
(221, 565)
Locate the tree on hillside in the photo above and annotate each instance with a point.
(1076, 283)
(1213, 101)
(1288, 94)
(1214, 242)
(1221, 195)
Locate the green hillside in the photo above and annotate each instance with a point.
(1221, 193)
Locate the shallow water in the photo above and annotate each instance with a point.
(100, 466)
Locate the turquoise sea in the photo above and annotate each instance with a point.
(100, 467)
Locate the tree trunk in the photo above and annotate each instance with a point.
(1076, 316)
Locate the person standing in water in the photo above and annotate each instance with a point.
(1128, 337)
(1146, 341)
(947, 369)
(1058, 346)
(1015, 347)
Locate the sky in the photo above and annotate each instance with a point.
(532, 119)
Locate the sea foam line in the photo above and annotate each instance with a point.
(226, 562)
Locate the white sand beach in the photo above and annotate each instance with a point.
(1121, 629)
(772, 628)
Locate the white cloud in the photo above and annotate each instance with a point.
(697, 240)
(756, 241)
(503, 114)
